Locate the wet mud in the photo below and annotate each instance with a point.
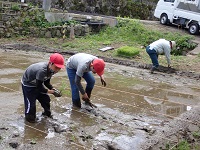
(29, 47)
(132, 110)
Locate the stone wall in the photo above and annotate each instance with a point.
(142, 9)
(15, 20)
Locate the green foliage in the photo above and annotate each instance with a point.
(183, 145)
(127, 51)
(128, 32)
(167, 146)
(107, 43)
(15, 7)
(69, 45)
(30, 4)
(70, 22)
(64, 89)
(135, 10)
(27, 22)
(196, 135)
(184, 44)
(33, 140)
(35, 18)
(132, 30)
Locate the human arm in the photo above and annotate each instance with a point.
(167, 51)
(50, 90)
(168, 59)
(48, 84)
(40, 87)
(103, 82)
(80, 87)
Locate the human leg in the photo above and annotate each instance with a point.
(30, 94)
(154, 58)
(74, 90)
(44, 100)
(90, 80)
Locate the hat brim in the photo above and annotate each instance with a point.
(59, 66)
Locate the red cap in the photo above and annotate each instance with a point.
(99, 65)
(57, 59)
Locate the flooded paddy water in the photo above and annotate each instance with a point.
(134, 104)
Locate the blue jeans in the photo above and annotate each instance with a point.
(153, 55)
(89, 78)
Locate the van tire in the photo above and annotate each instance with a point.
(164, 19)
(194, 28)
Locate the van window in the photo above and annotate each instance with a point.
(169, 1)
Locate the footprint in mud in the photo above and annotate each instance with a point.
(95, 111)
(99, 113)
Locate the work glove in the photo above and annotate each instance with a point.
(57, 93)
(103, 82)
(88, 102)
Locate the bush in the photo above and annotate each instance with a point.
(15, 7)
(127, 51)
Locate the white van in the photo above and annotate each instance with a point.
(185, 13)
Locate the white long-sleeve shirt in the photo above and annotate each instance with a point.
(162, 46)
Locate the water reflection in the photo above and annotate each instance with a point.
(166, 107)
(119, 102)
(36, 131)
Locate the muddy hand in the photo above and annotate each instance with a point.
(88, 102)
(57, 93)
(103, 82)
(92, 105)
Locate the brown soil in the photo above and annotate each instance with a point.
(179, 129)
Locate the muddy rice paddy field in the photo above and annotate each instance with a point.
(136, 110)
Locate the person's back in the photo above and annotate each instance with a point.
(79, 66)
(79, 59)
(160, 46)
(33, 72)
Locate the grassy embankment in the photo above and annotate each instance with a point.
(130, 36)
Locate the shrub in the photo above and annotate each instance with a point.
(15, 7)
(127, 51)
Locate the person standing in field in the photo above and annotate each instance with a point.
(36, 85)
(82, 65)
(157, 48)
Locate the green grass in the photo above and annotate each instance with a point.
(196, 135)
(128, 32)
(127, 51)
(183, 145)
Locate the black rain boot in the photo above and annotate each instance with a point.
(47, 114)
(76, 103)
(154, 69)
(30, 118)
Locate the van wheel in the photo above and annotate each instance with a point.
(194, 28)
(164, 19)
